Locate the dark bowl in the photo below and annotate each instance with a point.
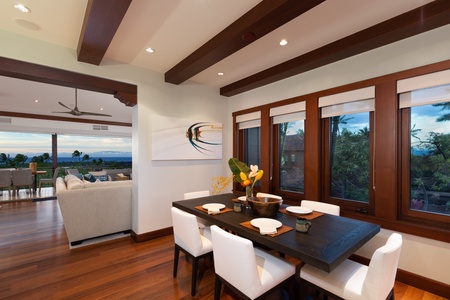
(264, 207)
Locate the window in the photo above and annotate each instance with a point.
(289, 132)
(249, 132)
(349, 157)
(426, 167)
(347, 116)
(385, 161)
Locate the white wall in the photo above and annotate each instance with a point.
(421, 256)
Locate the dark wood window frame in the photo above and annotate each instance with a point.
(387, 151)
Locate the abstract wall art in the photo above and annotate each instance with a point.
(182, 139)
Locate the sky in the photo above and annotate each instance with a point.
(32, 144)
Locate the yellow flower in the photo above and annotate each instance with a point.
(259, 175)
(243, 176)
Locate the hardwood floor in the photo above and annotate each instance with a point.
(36, 263)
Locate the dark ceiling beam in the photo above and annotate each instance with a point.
(257, 22)
(124, 92)
(417, 21)
(101, 20)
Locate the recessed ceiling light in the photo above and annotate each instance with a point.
(36, 100)
(22, 8)
(101, 108)
(150, 50)
(220, 73)
(283, 42)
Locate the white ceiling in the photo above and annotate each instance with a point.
(175, 29)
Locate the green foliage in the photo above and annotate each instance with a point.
(237, 167)
(350, 165)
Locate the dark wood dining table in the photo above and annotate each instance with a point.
(330, 240)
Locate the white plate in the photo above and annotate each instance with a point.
(299, 210)
(265, 222)
(242, 198)
(213, 206)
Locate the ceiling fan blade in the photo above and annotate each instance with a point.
(76, 112)
(62, 104)
(94, 114)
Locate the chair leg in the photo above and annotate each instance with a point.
(217, 288)
(194, 275)
(175, 261)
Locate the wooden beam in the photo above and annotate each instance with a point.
(257, 22)
(100, 24)
(124, 92)
(414, 22)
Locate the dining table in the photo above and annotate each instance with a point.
(35, 178)
(329, 241)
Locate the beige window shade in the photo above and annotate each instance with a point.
(351, 102)
(288, 113)
(423, 81)
(249, 120)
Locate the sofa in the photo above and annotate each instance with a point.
(92, 210)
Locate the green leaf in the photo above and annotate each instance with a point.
(237, 167)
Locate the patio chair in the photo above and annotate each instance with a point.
(51, 181)
(22, 178)
(5, 180)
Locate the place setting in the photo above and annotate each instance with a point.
(301, 211)
(214, 208)
(267, 226)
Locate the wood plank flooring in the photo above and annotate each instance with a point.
(36, 263)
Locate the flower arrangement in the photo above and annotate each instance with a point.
(220, 183)
(246, 176)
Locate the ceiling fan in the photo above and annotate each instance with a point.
(76, 112)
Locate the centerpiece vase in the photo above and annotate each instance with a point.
(249, 191)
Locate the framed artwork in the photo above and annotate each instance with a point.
(182, 139)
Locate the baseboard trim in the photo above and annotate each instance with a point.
(139, 238)
(420, 282)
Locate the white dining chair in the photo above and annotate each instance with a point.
(265, 195)
(351, 280)
(198, 194)
(51, 181)
(322, 207)
(5, 180)
(194, 242)
(247, 271)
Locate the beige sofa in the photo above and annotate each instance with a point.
(92, 210)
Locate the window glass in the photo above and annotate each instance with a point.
(291, 157)
(349, 156)
(430, 158)
(252, 146)
(18, 149)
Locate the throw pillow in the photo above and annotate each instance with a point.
(90, 177)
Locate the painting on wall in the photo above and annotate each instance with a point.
(182, 139)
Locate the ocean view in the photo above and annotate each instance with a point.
(105, 159)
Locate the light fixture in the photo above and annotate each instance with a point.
(22, 8)
(36, 100)
(283, 42)
(220, 73)
(150, 50)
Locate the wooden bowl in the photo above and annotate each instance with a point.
(264, 206)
